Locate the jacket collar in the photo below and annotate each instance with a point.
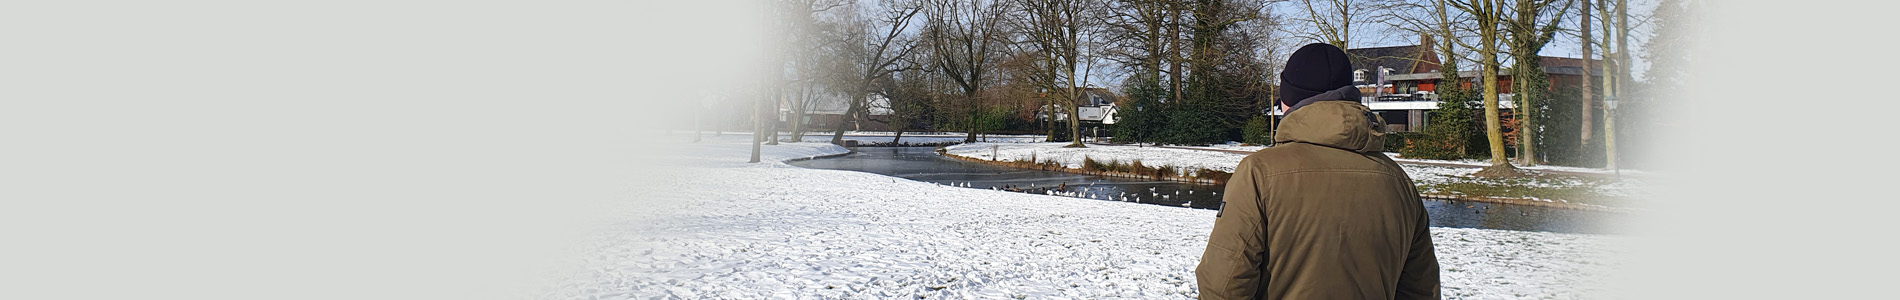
(1344, 93)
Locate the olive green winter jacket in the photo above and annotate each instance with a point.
(1322, 214)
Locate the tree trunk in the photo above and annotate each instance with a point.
(798, 113)
(1588, 106)
(1488, 52)
(1615, 87)
(771, 119)
(1527, 122)
(699, 124)
(1075, 121)
(969, 98)
(1174, 53)
(1049, 125)
(1493, 130)
(837, 137)
(758, 127)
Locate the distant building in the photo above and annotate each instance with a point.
(1098, 106)
(1400, 82)
(827, 109)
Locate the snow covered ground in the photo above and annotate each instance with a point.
(727, 229)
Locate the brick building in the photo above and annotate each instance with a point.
(1399, 82)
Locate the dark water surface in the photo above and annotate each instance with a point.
(924, 164)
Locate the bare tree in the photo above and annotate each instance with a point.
(1532, 24)
(1055, 31)
(1218, 50)
(1487, 14)
(875, 47)
(1138, 30)
(909, 95)
(963, 36)
(1333, 20)
(813, 68)
(806, 37)
(1264, 31)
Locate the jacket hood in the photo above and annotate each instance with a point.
(1338, 124)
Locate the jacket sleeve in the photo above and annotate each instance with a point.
(1230, 268)
(1419, 279)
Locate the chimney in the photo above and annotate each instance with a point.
(1426, 48)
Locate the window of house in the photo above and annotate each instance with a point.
(1359, 75)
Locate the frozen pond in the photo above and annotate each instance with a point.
(924, 164)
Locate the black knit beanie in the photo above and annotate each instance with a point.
(1315, 68)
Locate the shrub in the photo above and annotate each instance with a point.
(1193, 123)
(1141, 119)
(1561, 143)
(1399, 141)
(1256, 131)
(1431, 147)
(1452, 132)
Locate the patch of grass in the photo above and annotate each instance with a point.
(1089, 164)
(1556, 188)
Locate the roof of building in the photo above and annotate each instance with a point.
(1102, 96)
(1568, 66)
(824, 102)
(1552, 65)
(1401, 59)
(1416, 58)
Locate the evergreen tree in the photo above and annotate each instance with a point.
(1140, 119)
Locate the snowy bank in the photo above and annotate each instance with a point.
(1479, 163)
(1472, 163)
(1183, 159)
(876, 137)
(1434, 180)
(731, 229)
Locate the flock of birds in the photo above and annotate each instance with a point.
(1487, 210)
(1124, 196)
(1063, 190)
